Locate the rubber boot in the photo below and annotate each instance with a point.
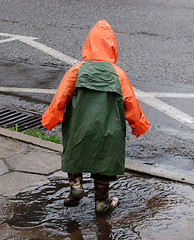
(102, 201)
(76, 190)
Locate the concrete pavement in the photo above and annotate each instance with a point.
(179, 176)
(27, 162)
(23, 165)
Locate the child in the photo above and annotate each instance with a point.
(92, 101)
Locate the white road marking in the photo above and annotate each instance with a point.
(54, 53)
(7, 40)
(165, 108)
(148, 98)
(170, 95)
(42, 47)
(145, 97)
(138, 93)
(27, 90)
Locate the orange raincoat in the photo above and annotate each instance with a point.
(100, 53)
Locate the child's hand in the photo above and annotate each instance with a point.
(136, 135)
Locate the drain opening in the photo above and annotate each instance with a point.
(24, 119)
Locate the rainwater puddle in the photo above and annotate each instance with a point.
(39, 213)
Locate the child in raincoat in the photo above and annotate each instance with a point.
(93, 101)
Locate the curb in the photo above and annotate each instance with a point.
(159, 172)
(129, 165)
(32, 140)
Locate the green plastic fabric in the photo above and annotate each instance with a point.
(94, 123)
(99, 76)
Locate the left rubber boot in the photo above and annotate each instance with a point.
(76, 190)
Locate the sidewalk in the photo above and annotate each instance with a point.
(165, 208)
(23, 165)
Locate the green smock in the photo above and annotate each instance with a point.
(94, 122)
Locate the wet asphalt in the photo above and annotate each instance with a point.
(170, 147)
(155, 40)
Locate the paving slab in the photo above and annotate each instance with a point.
(151, 209)
(180, 228)
(130, 164)
(36, 160)
(58, 175)
(9, 147)
(13, 182)
(3, 168)
(7, 232)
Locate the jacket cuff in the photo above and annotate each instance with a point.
(140, 127)
(49, 120)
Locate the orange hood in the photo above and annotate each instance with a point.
(100, 44)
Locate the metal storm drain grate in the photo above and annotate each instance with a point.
(24, 119)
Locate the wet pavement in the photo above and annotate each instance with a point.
(32, 191)
(155, 38)
(168, 143)
(14, 74)
(32, 187)
(158, 147)
(149, 209)
(155, 42)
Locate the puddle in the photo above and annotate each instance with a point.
(39, 213)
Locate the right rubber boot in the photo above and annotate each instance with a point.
(102, 201)
(106, 205)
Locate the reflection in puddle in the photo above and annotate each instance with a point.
(40, 214)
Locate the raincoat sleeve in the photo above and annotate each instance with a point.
(133, 112)
(54, 113)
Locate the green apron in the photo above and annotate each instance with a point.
(94, 123)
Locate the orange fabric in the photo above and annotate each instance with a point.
(54, 113)
(100, 44)
(133, 112)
